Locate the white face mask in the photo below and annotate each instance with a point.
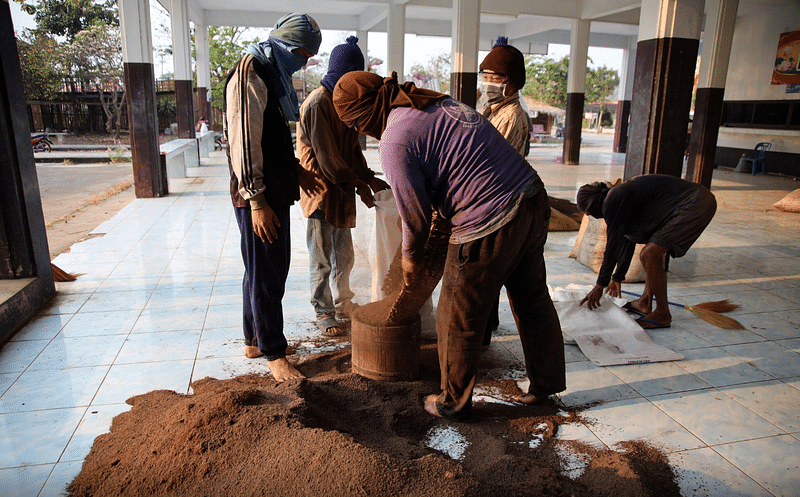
(494, 92)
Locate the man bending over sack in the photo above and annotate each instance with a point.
(666, 213)
(439, 154)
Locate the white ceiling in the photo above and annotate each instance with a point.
(528, 23)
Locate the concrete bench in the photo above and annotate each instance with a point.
(205, 143)
(179, 154)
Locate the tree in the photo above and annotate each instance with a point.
(40, 61)
(225, 48)
(547, 81)
(70, 17)
(435, 74)
(95, 55)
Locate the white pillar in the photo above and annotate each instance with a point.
(628, 69)
(396, 37)
(578, 54)
(201, 49)
(716, 51)
(134, 24)
(181, 40)
(466, 37)
(363, 44)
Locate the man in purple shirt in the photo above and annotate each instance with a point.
(439, 154)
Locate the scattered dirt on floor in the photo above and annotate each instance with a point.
(338, 434)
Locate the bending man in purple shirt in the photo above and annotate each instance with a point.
(439, 154)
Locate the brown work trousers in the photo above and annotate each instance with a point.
(474, 273)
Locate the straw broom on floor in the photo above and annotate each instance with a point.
(59, 275)
(710, 312)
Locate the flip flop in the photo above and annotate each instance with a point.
(649, 324)
(328, 322)
(628, 307)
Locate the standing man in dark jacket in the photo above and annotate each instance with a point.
(666, 213)
(265, 174)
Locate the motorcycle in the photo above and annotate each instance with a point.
(219, 142)
(41, 143)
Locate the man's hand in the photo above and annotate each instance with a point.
(378, 184)
(593, 297)
(614, 289)
(364, 191)
(310, 182)
(265, 224)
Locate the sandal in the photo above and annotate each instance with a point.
(329, 327)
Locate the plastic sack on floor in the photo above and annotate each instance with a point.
(607, 335)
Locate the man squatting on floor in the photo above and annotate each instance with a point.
(667, 214)
(440, 154)
(265, 175)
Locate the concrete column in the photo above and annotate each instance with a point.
(717, 38)
(466, 35)
(363, 44)
(140, 90)
(182, 56)
(624, 106)
(24, 253)
(576, 89)
(666, 56)
(203, 70)
(396, 37)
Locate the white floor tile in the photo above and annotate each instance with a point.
(53, 389)
(66, 303)
(60, 478)
(658, 378)
(85, 324)
(704, 473)
(15, 357)
(771, 462)
(715, 418)
(223, 368)
(64, 353)
(776, 401)
(126, 380)
(36, 437)
(24, 481)
(96, 421)
(221, 342)
(42, 327)
(718, 368)
(116, 301)
(154, 320)
(638, 419)
(587, 384)
(159, 346)
(768, 357)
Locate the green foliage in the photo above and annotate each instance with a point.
(547, 81)
(166, 108)
(225, 48)
(70, 17)
(435, 74)
(40, 61)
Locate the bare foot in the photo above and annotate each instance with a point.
(529, 399)
(251, 352)
(430, 405)
(643, 305)
(282, 370)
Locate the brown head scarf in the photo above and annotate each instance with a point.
(363, 100)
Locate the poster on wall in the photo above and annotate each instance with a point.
(786, 71)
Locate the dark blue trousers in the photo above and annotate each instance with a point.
(266, 267)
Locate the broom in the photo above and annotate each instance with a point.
(709, 312)
(59, 275)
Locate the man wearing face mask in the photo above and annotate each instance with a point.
(265, 174)
(502, 76)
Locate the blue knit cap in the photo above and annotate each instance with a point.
(344, 58)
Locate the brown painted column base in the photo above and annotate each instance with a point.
(662, 96)
(621, 126)
(149, 179)
(184, 103)
(705, 131)
(203, 106)
(572, 129)
(464, 87)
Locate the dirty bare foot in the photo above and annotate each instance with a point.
(529, 399)
(282, 370)
(251, 352)
(430, 405)
(643, 304)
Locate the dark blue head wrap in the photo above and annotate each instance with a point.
(344, 58)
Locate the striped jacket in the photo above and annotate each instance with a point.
(261, 157)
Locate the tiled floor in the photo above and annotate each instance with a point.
(158, 306)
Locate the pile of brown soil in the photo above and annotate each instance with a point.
(339, 434)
